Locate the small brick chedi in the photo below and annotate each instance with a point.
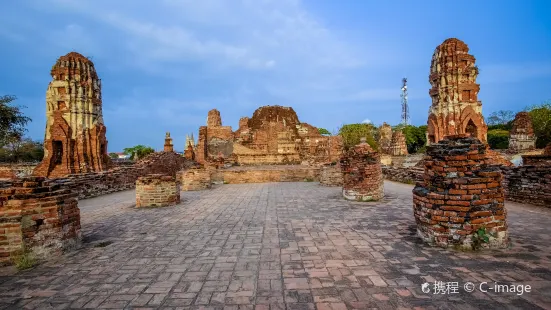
(398, 146)
(75, 134)
(168, 146)
(157, 190)
(460, 194)
(455, 107)
(522, 136)
(362, 173)
(39, 217)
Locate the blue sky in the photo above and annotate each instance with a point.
(165, 63)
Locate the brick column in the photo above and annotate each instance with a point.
(362, 174)
(461, 194)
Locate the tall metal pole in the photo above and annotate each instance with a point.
(405, 108)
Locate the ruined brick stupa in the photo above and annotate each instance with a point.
(461, 198)
(455, 107)
(522, 135)
(75, 134)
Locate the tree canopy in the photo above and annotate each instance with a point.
(416, 137)
(541, 122)
(324, 131)
(352, 133)
(12, 121)
(138, 151)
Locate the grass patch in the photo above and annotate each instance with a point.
(102, 244)
(24, 259)
(309, 180)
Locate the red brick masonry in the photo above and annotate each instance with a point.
(38, 216)
(195, 179)
(460, 193)
(362, 175)
(157, 190)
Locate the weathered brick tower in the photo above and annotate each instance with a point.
(75, 134)
(455, 107)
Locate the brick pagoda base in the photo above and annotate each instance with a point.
(460, 195)
(195, 179)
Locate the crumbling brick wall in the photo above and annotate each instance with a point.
(460, 194)
(330, 175)
(528, 184)
(409, 175)
(266, 174)
(196, 178)
(89, 185)
(157, 190)
(214, 139)
(362, 175)
(38, 216)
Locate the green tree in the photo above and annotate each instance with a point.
(498, 139)
(12, 121)
(352, 133)
(416, 137)
(113, 155)
(501, 117)
(541, 121)
(324, 131)
(22, 150)
(138, 151)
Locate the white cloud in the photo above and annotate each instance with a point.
(366, 121)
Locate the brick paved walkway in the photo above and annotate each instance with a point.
(277, 246)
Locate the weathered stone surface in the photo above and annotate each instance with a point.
(38, 216)
(460, 194)
(75, 134)
(168, 146)
(385, 138)
(547, 150)
(455, 107)
(331, 175)
(362, 175)
(196, 178)
(398, 146)
(521, 136)
(157, 190)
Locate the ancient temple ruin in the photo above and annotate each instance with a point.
(522, 137)
(398, 146)
(455, 107)
(75, 134)
(273, 135)
(385, 138)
